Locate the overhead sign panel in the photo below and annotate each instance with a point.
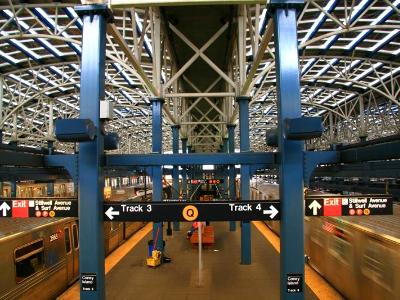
(38, 208)
(147, 3)
(336, 206)
(192, 211)
(205, 181)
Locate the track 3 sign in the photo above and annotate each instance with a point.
(192, 211)
(47, 208)
(335, 206)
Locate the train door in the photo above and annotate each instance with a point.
(71, 251)
(75, 250)
(69, 256)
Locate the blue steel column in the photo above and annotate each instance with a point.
(13, 188)
(190, 174)
(50, 189)
(184, 177)
(156, 139)
(175, 170)
(244, 176)
(232, 171)
(225, 170)
(91, 179)
(291, 152)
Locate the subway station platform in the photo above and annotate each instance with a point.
(223, 277)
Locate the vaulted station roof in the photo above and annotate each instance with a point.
(349, 61)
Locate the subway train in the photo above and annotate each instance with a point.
(39, 257)
(31, 190)
(359, 256)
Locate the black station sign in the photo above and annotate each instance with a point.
(38, 208)
(336, 206)
(294, 283)
(88, 282)
(205, 181)
(192, 211)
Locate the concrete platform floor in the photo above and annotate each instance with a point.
(223, 277)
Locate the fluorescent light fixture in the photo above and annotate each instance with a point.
(208, 167)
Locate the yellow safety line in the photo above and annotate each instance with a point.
(114, 258)
(320, 287)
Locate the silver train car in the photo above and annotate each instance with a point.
(39, 257)
(359, 256)
(31, 190)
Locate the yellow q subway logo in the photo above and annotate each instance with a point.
(190, 213)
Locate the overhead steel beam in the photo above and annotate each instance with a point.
(381, 169)
(390, 150)
(12, 158)
(11, 173)
(146, 3)
(249, 158)
(365, 188)
(259, 55)
(114, 32)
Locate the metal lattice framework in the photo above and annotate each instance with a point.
(349, 61)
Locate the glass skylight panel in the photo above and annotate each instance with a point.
(392, 73)
(348, 97)
(146, 39)
(326, 67)
(328, 97)
(316, 93)
(308, 64)
(384, 40)
(262, 19)
(27, 28)
(354, 14)
(366, 72)
(75, 15)
(43, 78)
(374, 22)
(8, 57)
(21, 46)
(55, 27)
(23, 81)
(68, 103)
(317, 22)
(62, 74)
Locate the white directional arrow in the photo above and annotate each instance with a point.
(314, 206)
(110, 213)
(4, 207)
(272, 211)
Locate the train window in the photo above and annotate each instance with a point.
(75, 234)
(67, 240)
(114, 226)
(377, 263)
(29, 259)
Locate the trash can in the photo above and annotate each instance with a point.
(150, 246)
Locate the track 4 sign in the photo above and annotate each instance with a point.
(335, 206)
(192, 211)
